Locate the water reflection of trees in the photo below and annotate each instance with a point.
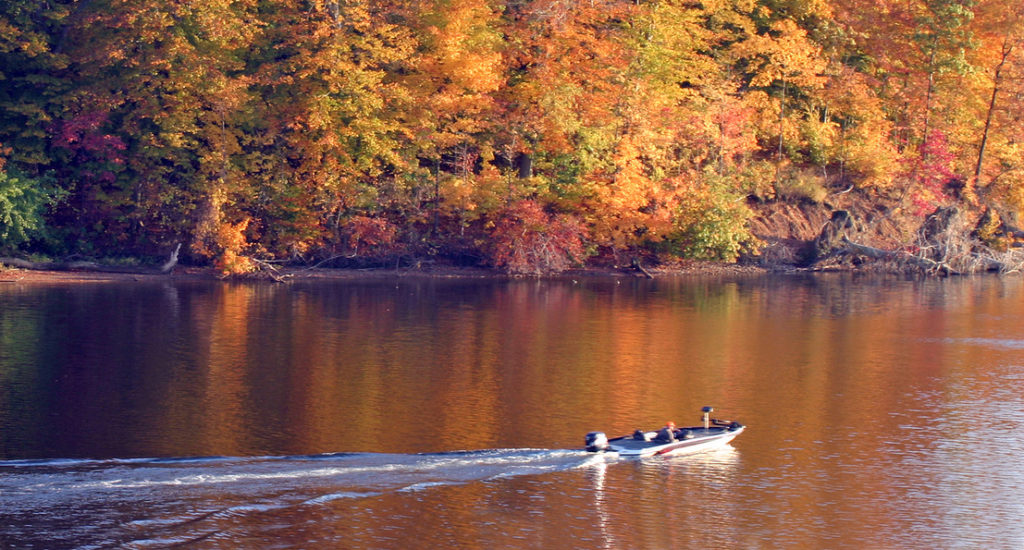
(417, 365)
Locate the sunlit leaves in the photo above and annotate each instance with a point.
(710, 224)
(289, 130)
(998, 167)
(323, 128)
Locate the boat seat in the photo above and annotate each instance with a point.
(665, 435)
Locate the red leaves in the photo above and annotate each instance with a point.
(928, 172)
(529, 241)
(85, 133)
(370, 235)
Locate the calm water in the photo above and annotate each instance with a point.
(406, 413)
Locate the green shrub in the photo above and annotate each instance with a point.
(22, 201)
(711, 226)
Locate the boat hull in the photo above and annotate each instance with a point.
(703, 439)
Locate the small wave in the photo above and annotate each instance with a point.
(174, 460)
(154, 522)
(322, 499)
(49, 463)
(1000, 343)
(245, 509)
(425, 485)
(173, 542)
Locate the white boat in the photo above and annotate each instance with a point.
(712, 434)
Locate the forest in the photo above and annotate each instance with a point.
(526, 135)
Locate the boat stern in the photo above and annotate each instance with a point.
(596, 442)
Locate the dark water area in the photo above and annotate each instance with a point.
(424, 413)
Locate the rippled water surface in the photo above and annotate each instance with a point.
(411, 413)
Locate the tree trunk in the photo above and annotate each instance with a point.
(524, 163)
(1006, 51)
(928, 97)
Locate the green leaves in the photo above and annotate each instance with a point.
(22, 204)
(711, 225)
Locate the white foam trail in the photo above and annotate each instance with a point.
(1003, 343)
(323, 499)
(425, 485)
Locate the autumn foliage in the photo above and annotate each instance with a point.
(525, 133)
(529, 241)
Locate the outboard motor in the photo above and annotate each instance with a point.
(596, 442)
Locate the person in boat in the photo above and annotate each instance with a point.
(668, 433)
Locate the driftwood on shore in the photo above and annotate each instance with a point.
(944, 246)
(639, 267)
(973, 262)
(78, 265)
(900, 256)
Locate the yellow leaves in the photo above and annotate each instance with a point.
(784, 54)
(629, 185)
(469, 197)
(478, 72)
(1004, 175)
(1014, 192)
(627, 205)
(710, 223)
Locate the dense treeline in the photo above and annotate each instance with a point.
(527, 134)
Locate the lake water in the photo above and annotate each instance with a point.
(428, 413)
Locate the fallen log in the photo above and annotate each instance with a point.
(898, 256)
(977, 262)
(270, 271)
(164, 269)
(637, 266)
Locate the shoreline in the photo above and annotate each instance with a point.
(29, 276)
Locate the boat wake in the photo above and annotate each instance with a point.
(116, 501)
(30, 484)
(992, 343)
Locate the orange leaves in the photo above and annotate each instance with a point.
(462, 46)
(221, 241)
(618, 209)
(315, 118)
(456, 71)
(232, 241)
(566, 67)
